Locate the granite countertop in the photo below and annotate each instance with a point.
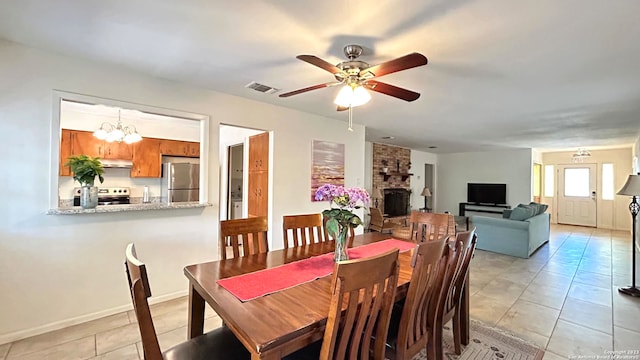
(73, 210)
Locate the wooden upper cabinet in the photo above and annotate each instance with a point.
(146, 158)
(117, 150)
(83, 142)
(259, 152)
(146, 154)
(179, 148)
(65, 152)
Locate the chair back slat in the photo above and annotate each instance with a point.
(467, 241)
(363, 294)
(250, 234)
(430, 226)
(302, 230)
(140, 291)
(416, 322)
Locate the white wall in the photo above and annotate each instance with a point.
(59, 270)
(511, 167)
(610, 214)
(418, 160)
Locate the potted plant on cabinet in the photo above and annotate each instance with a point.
(85, 169)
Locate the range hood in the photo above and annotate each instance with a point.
(115, 163)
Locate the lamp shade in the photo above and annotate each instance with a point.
(631, 187)
(352, 96)
(425, 192)
(377, 194)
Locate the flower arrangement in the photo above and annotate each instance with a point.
(341, 218)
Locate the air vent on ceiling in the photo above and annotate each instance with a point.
(261, 88)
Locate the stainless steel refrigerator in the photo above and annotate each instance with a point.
(180, 182)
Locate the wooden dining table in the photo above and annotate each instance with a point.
(282, 322)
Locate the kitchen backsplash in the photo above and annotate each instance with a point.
(113, 177)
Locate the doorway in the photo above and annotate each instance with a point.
(430, 184)
(577, 203)
(236, 176)
(235, 181)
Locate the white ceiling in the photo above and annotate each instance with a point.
(501, 73)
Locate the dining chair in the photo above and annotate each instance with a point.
(452, 304)
(379, 223)
(250, 234)
(220, 343)
(412, 322)
(362, 294)
(425, 226)
(302, 229)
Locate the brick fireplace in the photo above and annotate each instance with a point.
(398, 176)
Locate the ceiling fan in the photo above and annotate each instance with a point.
(357, 75)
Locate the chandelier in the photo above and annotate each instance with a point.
(580, 155)
(119, 133)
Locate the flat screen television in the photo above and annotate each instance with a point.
(493, 194)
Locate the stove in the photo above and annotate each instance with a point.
(106, 196)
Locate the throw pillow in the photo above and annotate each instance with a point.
(506, 213)
(522, 212)
(541, 208)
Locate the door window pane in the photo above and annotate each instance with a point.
(548, 181)
(607, 181)
(576, 182)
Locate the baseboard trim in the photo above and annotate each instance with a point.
(23, 334)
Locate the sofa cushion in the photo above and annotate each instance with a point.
(540, 208)
(506, 213)
(522, 212)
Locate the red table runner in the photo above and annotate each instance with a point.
(263, 282)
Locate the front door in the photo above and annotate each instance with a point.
(577, 194)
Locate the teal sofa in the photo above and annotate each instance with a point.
(511, 237)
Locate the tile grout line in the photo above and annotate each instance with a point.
(538, 272)
(570, 284)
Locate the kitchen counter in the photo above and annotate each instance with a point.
(121, 208)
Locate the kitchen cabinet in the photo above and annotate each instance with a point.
(83, 142)
(258, 189)
(258, 195)
(145, 154)
(117, 150)
(180, 148)
(147, 159)
(259, 152)
(65, 152)
(76, 142)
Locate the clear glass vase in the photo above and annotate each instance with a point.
(89, 197)
(340, 253)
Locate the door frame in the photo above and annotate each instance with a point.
(560, 191)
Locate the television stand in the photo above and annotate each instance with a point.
(483, 208)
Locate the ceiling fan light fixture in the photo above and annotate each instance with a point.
(350, 96)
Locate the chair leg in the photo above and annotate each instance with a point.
(457, 335)
(438, 353)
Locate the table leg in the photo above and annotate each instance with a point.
(464, 318)
(195, 326)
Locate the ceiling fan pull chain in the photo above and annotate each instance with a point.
(350, 128)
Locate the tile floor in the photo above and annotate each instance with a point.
(563, 298)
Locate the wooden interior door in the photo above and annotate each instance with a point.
(258, 188)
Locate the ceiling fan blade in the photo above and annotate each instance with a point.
(402, 63)
(391, 90)
(314, 60)
(342, 108)
(314, 87)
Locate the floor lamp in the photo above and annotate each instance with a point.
(426, 193)
(632, 188)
